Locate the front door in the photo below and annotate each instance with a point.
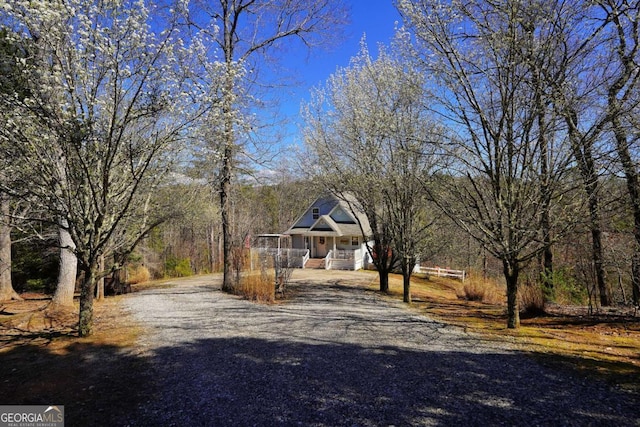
(321, 246)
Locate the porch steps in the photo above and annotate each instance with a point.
(315, 263)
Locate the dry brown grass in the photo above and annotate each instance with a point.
(483, 290)
(473, 291)
(531, 299)
(31, 321)
(138, 274)
(475, 288)
(42, 360)
(257, 286)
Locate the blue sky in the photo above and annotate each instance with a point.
(375, 18)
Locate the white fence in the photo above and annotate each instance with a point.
(441, 272)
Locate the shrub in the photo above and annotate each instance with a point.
(138, 274)
(566, 289)
(175, 267)
(36, 285)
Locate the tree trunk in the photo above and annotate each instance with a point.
(596, 239)
(384, 281)
(382, 262)
(6, 286)
(228, 149)
(68, 263)
(547, 253)
(225, 188)
(100, 282)
(633, 188)
(406, 283)
(511, 271)
(592, 183)
(635, 278)
(87, 291)
(212, 249)
(582, 152)
(598, 262)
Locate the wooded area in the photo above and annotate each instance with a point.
(494, 136)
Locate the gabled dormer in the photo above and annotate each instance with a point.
(328, 215)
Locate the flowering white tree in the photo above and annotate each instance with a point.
(248, 35)
(374, 145)
(11, 84)
(6, 286)
(102, 123)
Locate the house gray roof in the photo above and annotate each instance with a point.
(335, 217)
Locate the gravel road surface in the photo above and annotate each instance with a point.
(335, 354)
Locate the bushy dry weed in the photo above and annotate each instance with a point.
(531, 299)
(257, 286)
(138, 274)
(482, 290)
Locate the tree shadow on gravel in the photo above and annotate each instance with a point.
(238, 381)
(245, 381)
(97, 384)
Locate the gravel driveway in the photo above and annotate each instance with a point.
(337, 355)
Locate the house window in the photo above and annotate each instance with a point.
(321, 240)
(354, 241)
(316, 213)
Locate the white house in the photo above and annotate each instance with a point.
(332, 235)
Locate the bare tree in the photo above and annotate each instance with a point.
(251, 32)
(623, 78)
(484, 87)
(597, 60)
(570, 74)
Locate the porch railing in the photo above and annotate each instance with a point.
(305, 258)
(339, 259)
(344, 259)
(328, 260)
(288, 256)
